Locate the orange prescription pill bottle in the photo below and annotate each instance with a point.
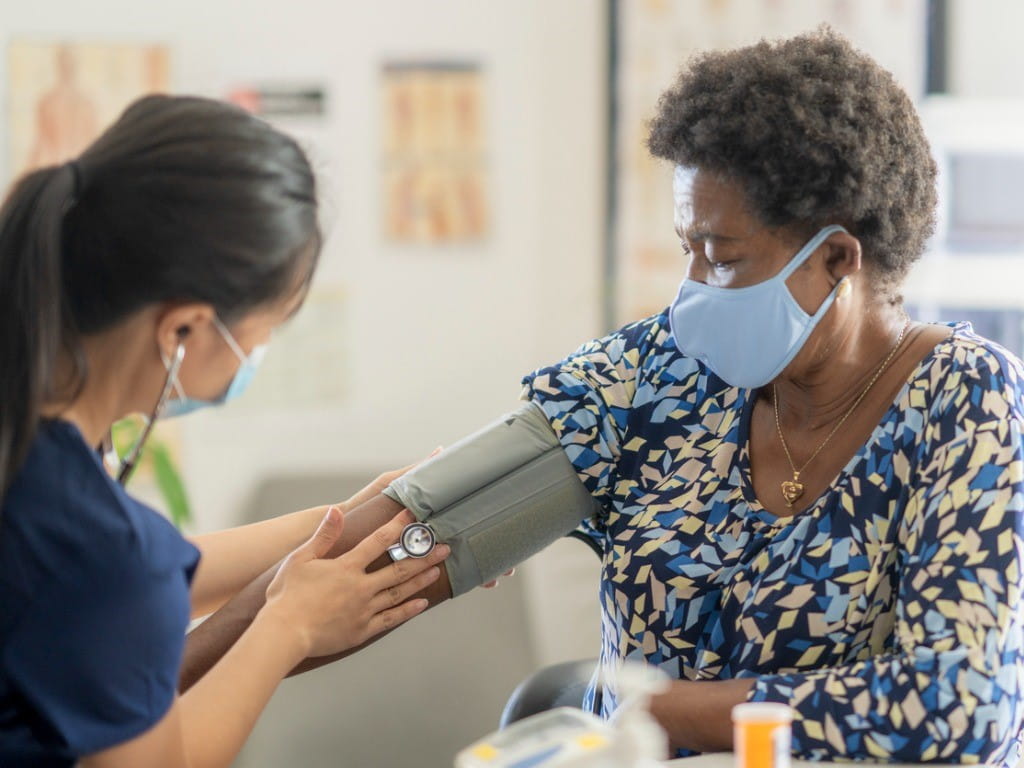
(761, 735)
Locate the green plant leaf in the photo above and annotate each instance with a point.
(124, 433)
(169, 482)
(156, 456)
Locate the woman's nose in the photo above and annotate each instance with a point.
(696, 270)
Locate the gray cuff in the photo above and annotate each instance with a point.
(497, 497)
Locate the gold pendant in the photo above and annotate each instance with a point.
(792, 489)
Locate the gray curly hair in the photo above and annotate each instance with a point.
(814, 132)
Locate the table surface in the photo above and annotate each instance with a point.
(727, 760)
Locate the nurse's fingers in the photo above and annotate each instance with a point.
(396, 573)
(399, 593)
(382, 481)
(327, 533)
(377, 543)
(391, 618)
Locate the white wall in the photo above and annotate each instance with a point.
(985, 51)
(435, 340)
(438, 338)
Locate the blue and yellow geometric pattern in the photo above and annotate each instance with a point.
(887, 614)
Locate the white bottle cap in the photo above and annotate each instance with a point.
(764, 712)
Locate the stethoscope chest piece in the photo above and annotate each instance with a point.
(417, 540)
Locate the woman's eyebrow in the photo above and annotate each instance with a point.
(702, 235)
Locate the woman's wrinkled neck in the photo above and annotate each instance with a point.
(842, 361)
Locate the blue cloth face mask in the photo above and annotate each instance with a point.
(183, 404)
(747, 336)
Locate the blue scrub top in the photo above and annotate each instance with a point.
(94, 605)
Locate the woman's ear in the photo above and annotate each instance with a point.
(176, 324)
(843, 257)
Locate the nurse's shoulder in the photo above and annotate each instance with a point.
(64, 520)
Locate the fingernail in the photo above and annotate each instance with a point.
(433, 573)
(420, 604)
(444, 550)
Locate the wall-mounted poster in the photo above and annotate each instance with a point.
(653, 40)
(281, 100)
(434, 156)
(63, 94)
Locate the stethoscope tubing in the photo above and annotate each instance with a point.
(124, 472)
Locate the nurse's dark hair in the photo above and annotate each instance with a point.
(181, 200)
(814, 132)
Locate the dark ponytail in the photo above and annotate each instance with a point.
(34, 321)
(182, 199)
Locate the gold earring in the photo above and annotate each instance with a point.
(844, 288)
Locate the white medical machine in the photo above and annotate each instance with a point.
(571, 738)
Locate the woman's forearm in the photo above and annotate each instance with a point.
(214, 637)
(231, 559)
(698, 715)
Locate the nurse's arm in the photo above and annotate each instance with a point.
(208, 642)
(206, 727)
(233, 558)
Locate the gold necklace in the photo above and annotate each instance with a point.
(794, 489)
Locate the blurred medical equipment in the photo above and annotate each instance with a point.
(571, 738)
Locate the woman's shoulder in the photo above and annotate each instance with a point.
(645, 346)
(636, 340)
(967, 371)
(966, 352)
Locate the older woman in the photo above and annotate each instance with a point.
(809, 498)
(806, 498)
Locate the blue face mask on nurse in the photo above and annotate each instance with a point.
(211, 346)
(247, 367)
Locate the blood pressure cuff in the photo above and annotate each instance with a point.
(496, 497)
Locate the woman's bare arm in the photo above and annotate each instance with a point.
(235, 557)
(214, 637)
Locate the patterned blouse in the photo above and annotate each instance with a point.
(888, 614)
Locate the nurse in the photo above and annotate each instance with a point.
(148, 276)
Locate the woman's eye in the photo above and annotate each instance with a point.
(721, 266)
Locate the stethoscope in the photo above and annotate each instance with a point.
(127, 464)
(417, 540)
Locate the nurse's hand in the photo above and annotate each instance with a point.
(334, 604)
(383, 481)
